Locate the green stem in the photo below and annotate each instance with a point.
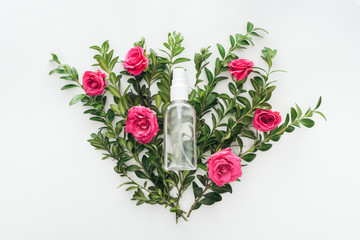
(180, 190)
(208, 186)
(236, 123)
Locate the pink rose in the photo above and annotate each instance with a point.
(240, 68)
(135, 61)
(224, 167)
(94, 83)
(142, 123)
(266, 120)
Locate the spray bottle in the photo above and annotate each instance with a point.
(179, 127)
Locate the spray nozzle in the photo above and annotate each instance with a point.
(179, 89)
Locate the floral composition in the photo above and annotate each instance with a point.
(128, 99)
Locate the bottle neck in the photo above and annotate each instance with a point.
(178, 92)
(179, 101)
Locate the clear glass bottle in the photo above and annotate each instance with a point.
(179, 127)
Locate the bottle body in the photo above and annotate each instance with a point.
(180, 136)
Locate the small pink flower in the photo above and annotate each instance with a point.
(94, 83)
(142, 123)
(266, 120)
(240, 68)
(135, 61)
(224, 167)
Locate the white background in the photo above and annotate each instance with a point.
(53, 185)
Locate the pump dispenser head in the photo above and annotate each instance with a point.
(178, 89)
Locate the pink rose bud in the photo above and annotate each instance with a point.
(240, 68)
(142, 123)
(224, 167)
(135, 61)
(266, 120)
(94, 83)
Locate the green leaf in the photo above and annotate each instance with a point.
(110, 115)
(249, 157)
(125, 183)
(102, 64)
(223, 189)
(57, 70)
(124, 159)
(293, 114)
(141, 175)
(167, 46)
(55, 58)
(210, 99)
(275, 138)
(114, 91)
(96, 48)
(309, 113)
(232, 88)
(109, 56)
(114, 108)
(290, 129)
(69, 86)
(118, 128)
(299, 112)
(69, 78)
(307, 122)
(227, 136)
(112, 78)
(255, 85)
(188, 181)
(202, 179)
(209, 75)
(249, 27)
(213, 196)
(97, 119)
(158, 100)
(318, 103)
(177, 51)
(207, 201)
(131, 188)
(218, 135)
(273, 53)
(202, 166)
(113, 62)
(321, 114)
(129, 145)
(76, 99)
(255, 34)
(221, 50)
(133, 168)
(232, 40)
(264, 147)
(180, 60)
(261, 29)
(122, 142)
(197, 190)
(105, 46)
(197, 206)
(173, 209)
